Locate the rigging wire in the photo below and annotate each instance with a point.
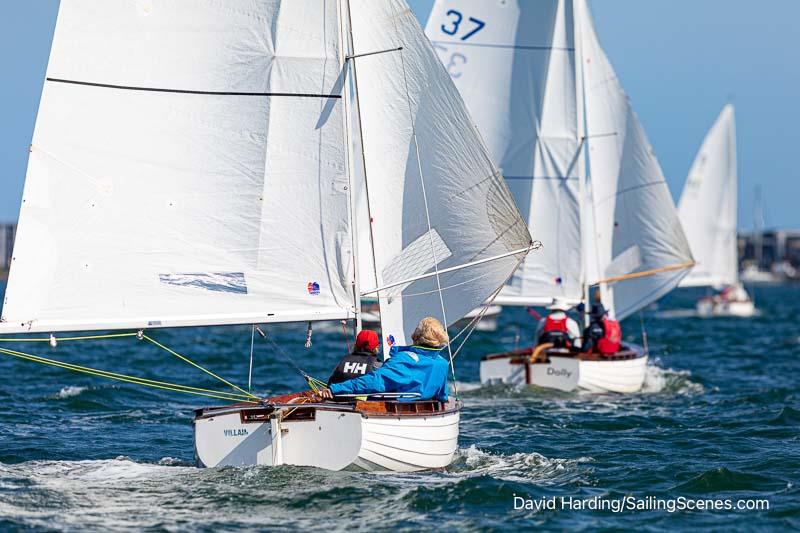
(174, 387)
(250, 371)
(313, 382)
(127, 378)
(427, 211)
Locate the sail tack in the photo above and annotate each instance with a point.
(188, 167)
(708, 206)
(436, 198)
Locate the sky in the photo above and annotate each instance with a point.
(680, 61)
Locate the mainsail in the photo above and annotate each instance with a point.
(571, 148)
(514, 64)
(168, 166)
(708, 206)
(205, 176)
(437, 201)
(636, 229)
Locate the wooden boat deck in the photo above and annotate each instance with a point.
(522, 356)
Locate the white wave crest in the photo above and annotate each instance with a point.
(524, 467)
(658, 380)
(69, 392)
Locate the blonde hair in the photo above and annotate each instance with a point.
(431, 333)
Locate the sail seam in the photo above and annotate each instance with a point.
(550, 178)
(188, 91)
(509, 46)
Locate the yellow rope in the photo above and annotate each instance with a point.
(128, 379)
(90, 337)
(210, 373)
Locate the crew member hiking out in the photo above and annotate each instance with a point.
(363, 359)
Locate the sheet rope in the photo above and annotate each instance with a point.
(242, 396)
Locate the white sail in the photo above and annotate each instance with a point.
(635, 223)
(459, 191)
(188, 167)
(514, 64)
(708, 206)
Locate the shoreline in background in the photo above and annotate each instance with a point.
(3, 274)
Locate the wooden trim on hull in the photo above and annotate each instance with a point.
(522, 356)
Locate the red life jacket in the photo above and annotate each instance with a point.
(612, 337)
(556, 331)
(555, 324)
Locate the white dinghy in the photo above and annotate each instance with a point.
(205, 177)
(708, 210)
(581, 169)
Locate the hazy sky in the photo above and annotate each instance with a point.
(679, 61)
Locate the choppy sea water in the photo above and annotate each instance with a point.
(719, 419)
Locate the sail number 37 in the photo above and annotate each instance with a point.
(453, 25)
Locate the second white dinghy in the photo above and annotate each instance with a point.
(165, 193)
(555, 117)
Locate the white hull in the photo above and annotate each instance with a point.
(707, 308)
(326, 436)
(623, 376)
(568, 373)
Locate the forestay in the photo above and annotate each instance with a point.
(708, 206)
(188, 167)
(514, 64)
(443, 176)
(635, 224)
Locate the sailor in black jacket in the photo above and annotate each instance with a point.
(363, 360)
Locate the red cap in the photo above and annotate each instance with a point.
(367, 340)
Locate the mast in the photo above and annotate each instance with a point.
(346, 50)
(350, 61)
(582, 161)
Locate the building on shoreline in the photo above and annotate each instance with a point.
(7, 233)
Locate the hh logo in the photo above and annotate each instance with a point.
(390, 340)
(355, 368)
(313, 288)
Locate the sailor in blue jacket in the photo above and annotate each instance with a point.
(419, 368)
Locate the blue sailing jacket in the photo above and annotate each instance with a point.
(408, 369)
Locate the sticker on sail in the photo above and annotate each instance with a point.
(313, 288)
(230, 282)
(390, 341)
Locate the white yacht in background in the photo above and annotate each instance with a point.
(556, 119)
(708, 209)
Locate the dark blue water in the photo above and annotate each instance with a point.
(718, 419)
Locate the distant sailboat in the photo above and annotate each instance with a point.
(753, 272)
(708, 208)
(192, 165)
(558, 122)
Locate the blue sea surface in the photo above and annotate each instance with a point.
(719, 419)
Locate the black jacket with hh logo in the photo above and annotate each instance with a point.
(354, 365)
